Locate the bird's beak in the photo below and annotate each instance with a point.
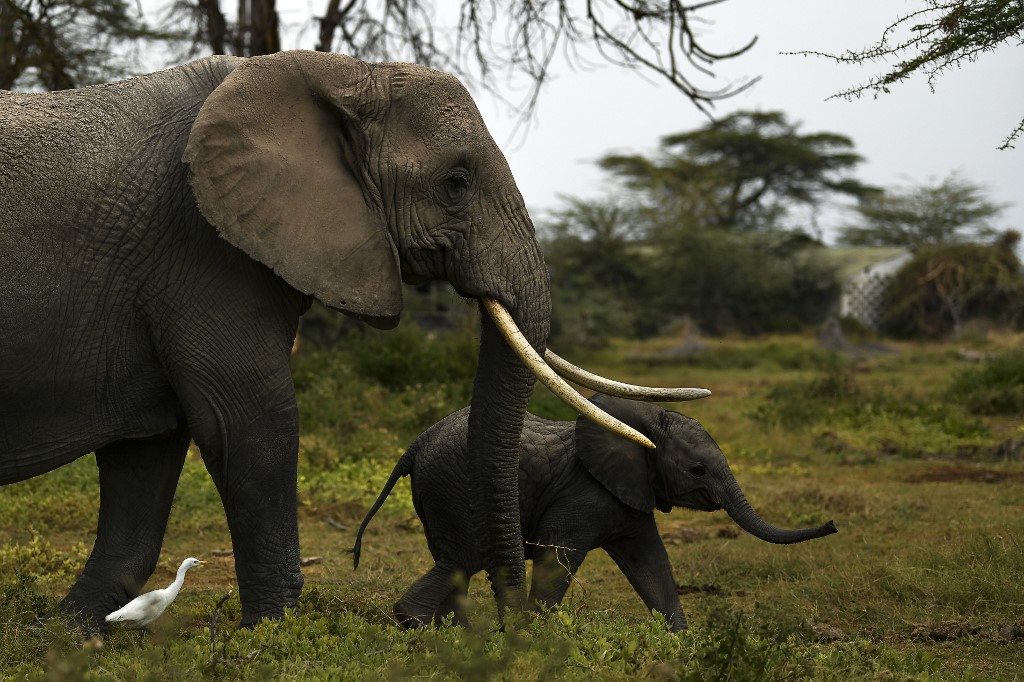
(200, 563)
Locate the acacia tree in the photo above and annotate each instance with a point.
(743, 171)
(935, 38)
(948, 212)
(62, 44)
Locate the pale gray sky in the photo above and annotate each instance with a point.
(909, 136)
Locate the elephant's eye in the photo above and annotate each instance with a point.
(698, 470)
(456, 184)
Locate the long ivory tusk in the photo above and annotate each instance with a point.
(549, 378)
(619, 389)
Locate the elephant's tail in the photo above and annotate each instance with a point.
(403, 468)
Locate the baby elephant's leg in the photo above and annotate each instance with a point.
(431, 597)
(553, 570)
(642, 557)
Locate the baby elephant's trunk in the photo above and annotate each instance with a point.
(744, 515)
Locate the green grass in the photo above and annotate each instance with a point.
(923, 580)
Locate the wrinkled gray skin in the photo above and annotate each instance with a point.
(161, 236)
(580, 487)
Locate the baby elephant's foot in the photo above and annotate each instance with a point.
(410, 616)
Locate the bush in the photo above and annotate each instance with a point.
(996, 387)
(942, 288)
(408, 355)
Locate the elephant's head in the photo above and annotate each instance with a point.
(686, 470)
(346, 178)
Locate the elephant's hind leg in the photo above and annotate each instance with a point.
(553, 571)
(435, 595)
(137, 483)
(454, 604)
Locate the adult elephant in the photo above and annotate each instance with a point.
(161, 236)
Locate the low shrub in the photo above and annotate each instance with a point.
(995, 387)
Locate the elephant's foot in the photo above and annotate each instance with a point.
(268, 601)
(87, 619)
(103, 588)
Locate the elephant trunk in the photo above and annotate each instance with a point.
(501, 393)
(743, 514)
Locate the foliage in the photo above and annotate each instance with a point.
(598, 270)
(951, 211)
(62, 44)
(942, 288)
(419, 376)
(751, 283)
(722, 281)
(743, 171)
(937, 36)
(995, 387)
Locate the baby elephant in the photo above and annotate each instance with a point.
(580, 488)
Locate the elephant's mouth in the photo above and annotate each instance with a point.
(551, 369)
(702, 501)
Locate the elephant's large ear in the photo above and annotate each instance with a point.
(278, 159)
(620, 465)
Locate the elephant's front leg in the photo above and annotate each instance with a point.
(137, 483)
(253, 459)
(642, 558)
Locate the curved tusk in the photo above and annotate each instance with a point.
(619, 389)
(549, 378)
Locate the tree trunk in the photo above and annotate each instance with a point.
(216, 25)
(330, 22)
(270, 38)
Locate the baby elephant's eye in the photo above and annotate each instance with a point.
(456, 184)
(698, 470)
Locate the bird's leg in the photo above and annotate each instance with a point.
(137, 483)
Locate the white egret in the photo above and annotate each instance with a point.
(146, 608)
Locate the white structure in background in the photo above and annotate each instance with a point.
(862, 293)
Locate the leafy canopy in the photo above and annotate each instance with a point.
(934, 38)
(62, 44)
(743, 171)
(951, 211)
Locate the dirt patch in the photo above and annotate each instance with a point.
(823, 632)
(961, 473)
(951, 630)
(945, 631)
(684, 535)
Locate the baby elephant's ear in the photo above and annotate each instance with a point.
(278, 157)
(618, 464)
